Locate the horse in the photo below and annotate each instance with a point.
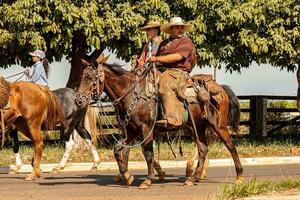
(136, 113)
(73, 112)
(31, 108)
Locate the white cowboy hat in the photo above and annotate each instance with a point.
(151, 24)
(38, 53)
(175, 21)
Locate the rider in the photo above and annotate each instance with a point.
(150, 48)
(39, 70)
(177, 56)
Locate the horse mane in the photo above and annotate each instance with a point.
(116, 68)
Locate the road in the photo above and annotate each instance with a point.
(99, 185)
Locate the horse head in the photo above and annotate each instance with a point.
(92, 82)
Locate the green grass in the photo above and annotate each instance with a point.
(256, 187)
(246, 148)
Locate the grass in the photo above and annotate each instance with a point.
(246, 148)
(255, 187)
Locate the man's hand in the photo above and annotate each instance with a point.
(153, 59)
(26, 71)
(134, 61)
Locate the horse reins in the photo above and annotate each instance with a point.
(23, 73)
(115, 102)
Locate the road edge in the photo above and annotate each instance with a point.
(164, 164)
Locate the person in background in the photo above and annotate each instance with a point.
(150, 48)
(39, 71)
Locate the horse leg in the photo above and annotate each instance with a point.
(37, 140)
(199, 136)
(121, 152)
(149, 156)
(227, 140)
(161, 174)
(88, 140)
(119, 176)
(69, 146)
(202, 150)
(14, 135)
(10, 116)
(190, 163)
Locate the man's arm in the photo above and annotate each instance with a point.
(170, 58)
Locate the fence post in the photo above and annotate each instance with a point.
(258, 106)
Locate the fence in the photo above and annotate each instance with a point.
(257, 121)
(258, 110)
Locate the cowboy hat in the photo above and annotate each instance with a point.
(38, 53)
(151, 24)
(175, 21)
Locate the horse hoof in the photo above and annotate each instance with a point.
(15, 170)
(118, 178)
(145, 184)
(188, 183)
(30, 177)
(161, 176)
(128, 178)
(94, 169)
(203, 175)
(57, 169)
(239, 180)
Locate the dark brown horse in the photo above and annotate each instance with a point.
(137, 113)
(31, 108)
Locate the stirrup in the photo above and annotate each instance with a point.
(162, 123)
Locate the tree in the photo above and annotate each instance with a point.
(233, 33)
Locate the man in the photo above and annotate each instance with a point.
(177, 55)
(150, 48)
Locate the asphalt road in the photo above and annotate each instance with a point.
(99, 185)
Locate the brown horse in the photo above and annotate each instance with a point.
(31, 108)
(136, 112)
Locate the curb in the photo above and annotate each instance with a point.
(164, 164)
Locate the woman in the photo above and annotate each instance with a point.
(150, 48)
(39, 70)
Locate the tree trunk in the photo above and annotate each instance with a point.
(79, 49)
(298, 94)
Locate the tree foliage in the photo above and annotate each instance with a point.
(231, 32)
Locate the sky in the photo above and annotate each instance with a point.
(255, 80)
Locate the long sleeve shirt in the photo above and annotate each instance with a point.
(37, 74)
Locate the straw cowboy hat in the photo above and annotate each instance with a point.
(151, 24)
(175, 21)
(38, 53)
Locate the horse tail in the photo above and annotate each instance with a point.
(234, 109)
(55, 112)
(91, 118)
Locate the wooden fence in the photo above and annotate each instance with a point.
(259, 109)
(257, 120)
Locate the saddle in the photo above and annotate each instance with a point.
(201, 87)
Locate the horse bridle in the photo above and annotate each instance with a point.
(92, 74)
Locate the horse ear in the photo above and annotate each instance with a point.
(101, 58)
(105, 58)
(85, 62)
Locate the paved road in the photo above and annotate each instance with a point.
(99, 185)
